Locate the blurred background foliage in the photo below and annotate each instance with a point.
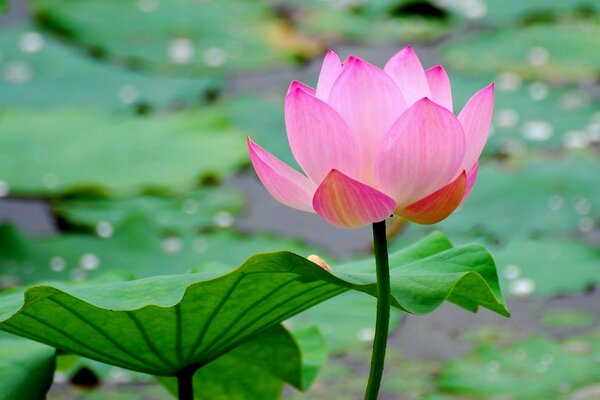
(122, 129)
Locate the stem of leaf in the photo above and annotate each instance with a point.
(383, 310)
(185, 383)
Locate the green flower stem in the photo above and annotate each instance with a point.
(185, 383)
(383, 310)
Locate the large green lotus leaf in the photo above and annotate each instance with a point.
(182, 37)
(39, 71)
(26, 368)
(159, 325)
(82, 150)
(561, 53)
(531, 114)
(135, 246)
(257, 369)
(536, 368)
(372, 21)
(198, 209)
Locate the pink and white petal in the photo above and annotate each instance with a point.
(471, 178)
(476, 119)
(438, 205)
(319, 138)
(439, 86)
(345, 202)
(330, 70)
(406, 70)
(303, 86)
(283, 182)
(369, 101)
(421, 153)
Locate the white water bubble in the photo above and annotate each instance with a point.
(77, 274)
(555, 202)
(520, 355)
(200, 245)
(57, 264)
(583, 207)
(31, 42)
(586, 224)
(576, 140)
(537, 130)
(538, 91)
(172, 245)
(522, 287)
(119, 376)
(89, 262)
(574, 100)
(17, 72)
(147, 5)
(512, 272)
(214, 57)
(60, 377)
(190, 206)
(493, 367)
(474, 9)
(508, 82)
(224, 219)
(180, 50)
(506, 118)
(50, 180)
(104, 229)
(538, 56)
(366, 334)
(4, 188)
(128, 94)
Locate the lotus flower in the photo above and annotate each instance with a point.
(374, 142)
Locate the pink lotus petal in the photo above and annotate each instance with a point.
(439, 85)
(319, 138)
(438, 205)
(330, 70)
(303, 86)
(421, 153)
(406, 70)
(476, 119)
(344, 202)
(370, 102)
(471, 178)
(283, 182)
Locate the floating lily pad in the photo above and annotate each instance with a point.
(560, 53)
(161, 324)
(135, 246)
(548, 267)
(199, 209)
(371, 21)
(568, 318)
(81, 150)
(179, 37)
(517, 11)
(537, 368)
(26, 368)
(37, 71)
(532, 114)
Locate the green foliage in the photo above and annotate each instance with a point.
(159, 325)
(135, 246)
(82, 150)
(537, 368)
(39, 71)
(26, 368)
(178, 37)
(559, 53)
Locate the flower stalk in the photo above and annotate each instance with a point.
(383, 310)
(185, 383)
